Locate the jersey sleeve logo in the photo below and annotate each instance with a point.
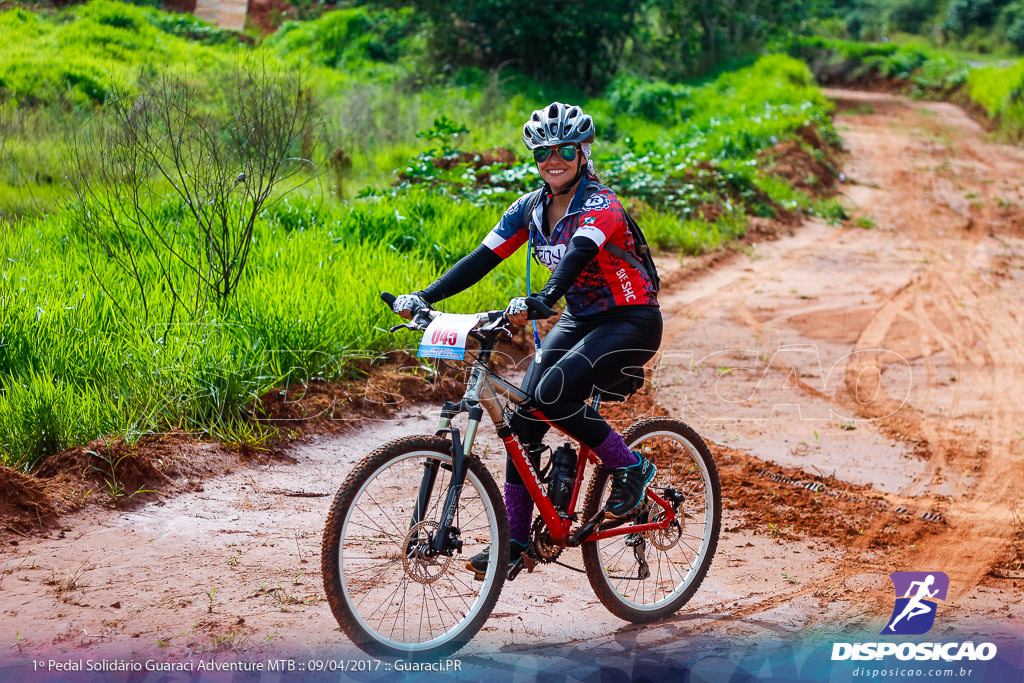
(597, 202)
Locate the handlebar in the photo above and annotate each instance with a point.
(536, 310)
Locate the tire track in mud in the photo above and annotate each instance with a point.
(979, 333)
(952, 319)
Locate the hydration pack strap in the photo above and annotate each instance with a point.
(627, 256)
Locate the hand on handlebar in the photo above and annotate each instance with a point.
(517, 312)
(520, 309)
(406, 305)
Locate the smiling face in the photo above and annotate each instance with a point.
(559, 173)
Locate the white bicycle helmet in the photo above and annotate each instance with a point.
(558, 124)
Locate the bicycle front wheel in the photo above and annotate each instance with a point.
(390, 597)
(642, 577)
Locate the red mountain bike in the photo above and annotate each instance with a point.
(413, 510)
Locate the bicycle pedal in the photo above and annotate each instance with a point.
(524, 562)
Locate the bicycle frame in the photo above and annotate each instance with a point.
(486, 392)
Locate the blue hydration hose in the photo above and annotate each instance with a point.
(536, 335)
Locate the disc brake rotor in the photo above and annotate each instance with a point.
(418, 565)
(667, 538)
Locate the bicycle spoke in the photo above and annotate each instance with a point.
(401, 534)
(668, 563)
(379, 582)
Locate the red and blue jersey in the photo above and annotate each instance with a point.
(596, 214)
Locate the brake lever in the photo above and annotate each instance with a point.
(498, 323)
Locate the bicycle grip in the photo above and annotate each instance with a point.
(537, 309)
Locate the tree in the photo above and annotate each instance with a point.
(705, 33)
(171, 180)
(1012, 17)
(568, 42)
(964, 15)
(911, 16)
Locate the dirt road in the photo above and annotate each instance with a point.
(880, 360)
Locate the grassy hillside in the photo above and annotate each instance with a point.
(92, 342)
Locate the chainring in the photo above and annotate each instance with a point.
(542, 547)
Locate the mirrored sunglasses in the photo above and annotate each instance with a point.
(567, 152)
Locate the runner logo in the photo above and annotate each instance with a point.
(916, 592)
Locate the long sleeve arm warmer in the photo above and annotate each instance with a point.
(580, 252)
(463, 275)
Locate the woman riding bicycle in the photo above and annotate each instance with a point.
(611, 323)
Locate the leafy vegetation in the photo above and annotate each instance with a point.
(591, 43)
(90, 347)
(983, 26)
(922, 72)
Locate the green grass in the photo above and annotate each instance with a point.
(79, 360)
(73, 368)
(994, 88)
(997, 89)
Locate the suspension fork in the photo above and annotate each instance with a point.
(430, 466)
(444, 541)
(426, 489)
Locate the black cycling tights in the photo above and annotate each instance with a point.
(578, 355)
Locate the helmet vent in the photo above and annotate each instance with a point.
(558, 124)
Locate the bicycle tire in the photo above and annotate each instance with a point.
(418, 597)
(685, 463)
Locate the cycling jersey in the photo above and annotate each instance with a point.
(594, 214)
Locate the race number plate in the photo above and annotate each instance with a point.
(446, 336)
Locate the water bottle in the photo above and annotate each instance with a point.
(563, 475)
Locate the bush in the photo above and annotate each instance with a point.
(347, 38)
(653, 100)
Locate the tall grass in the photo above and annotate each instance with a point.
(999, 90)
(75, 366)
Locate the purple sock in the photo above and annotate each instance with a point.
(614, 453)
(519, 506)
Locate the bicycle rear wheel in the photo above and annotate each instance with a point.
(647, 576)
(389, 597)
